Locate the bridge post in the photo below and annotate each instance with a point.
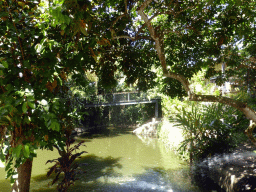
(128, 97)
(156, 108)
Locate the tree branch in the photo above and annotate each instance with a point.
(125, 6)
(158, 36)
(248, 112)
(181, 79)
(140, 29)
(131, 38)
(249, 132)
(159, 45)
(115, 21)
(119, 17)
(144, 5)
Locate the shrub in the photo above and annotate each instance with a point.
(210, 129)
(66, 165)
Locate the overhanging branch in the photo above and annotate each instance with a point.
(181, 79)
(159, 45)
(241, 106)
(157, 36)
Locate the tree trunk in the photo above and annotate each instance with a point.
(22, 183)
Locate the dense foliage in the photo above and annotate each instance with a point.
(37, 55)
(43, 44)
(210, 129)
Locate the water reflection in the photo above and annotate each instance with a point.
(119, 161)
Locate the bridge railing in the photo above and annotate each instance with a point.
(118, 97)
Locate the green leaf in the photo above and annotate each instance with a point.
(26, 151)
(21, 93)
(5, 64)
(39, 48)
(16, 151)
(7, 117)
(49, 123)
(18, 101)
(30, 98)
(32, 105)
(12, 179)
(55, 126)
(69, 45)
(24, 107)
(9, 87)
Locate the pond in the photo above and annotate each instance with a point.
(117, 161)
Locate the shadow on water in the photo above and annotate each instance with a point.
(104, 173)
(152, 180)
(107, 168)
(97, 169)
(205, 183)
(160, 179)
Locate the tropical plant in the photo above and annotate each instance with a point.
(210, 129)
(43, 43)
(66, 165)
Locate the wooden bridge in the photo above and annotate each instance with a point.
(124, 98)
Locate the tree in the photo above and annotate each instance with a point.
(42, 44)
(40, 48)
(189, 35)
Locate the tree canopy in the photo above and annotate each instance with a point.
(43, 43)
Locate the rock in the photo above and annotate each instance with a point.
(78, 131)
(139, 130)
(233, 172)
(148, 129)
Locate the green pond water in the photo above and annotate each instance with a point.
(117, 161)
